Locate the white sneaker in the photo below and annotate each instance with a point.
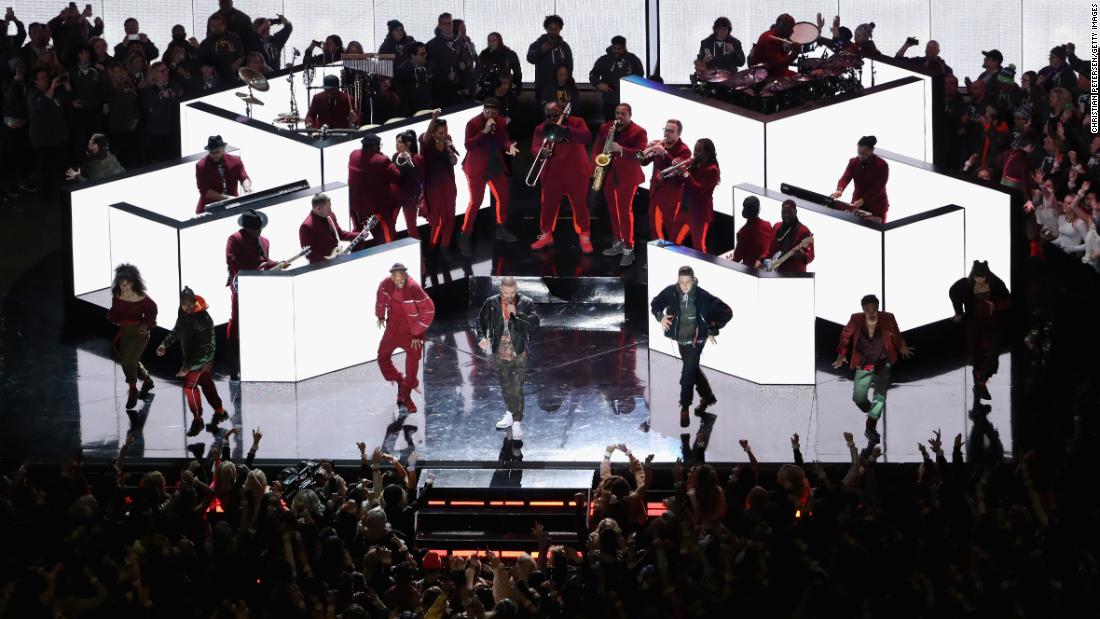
(517, 432)
(505, 421)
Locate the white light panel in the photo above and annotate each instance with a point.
(153, 248)
(847, 257)
(917, 279)
(738, 140)
(327, 308)
(812, 148)
(743, 348)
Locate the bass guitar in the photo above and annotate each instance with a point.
(279, 267)
(343, 250)
(776, 261)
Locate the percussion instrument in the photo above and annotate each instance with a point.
(805, 34)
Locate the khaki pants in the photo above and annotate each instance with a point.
(130, 344)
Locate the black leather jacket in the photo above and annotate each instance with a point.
(713, 312)
(490, 322)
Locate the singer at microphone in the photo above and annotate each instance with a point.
(486, 145)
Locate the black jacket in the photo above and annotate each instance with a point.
(609, 69)
(965, 302)
(397, 48)
(490, 322)
(713, 312)
(491, 64)
(195, 333)
(720, 58)
(546, 62)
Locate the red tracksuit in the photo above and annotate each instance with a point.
(227, 181)
(796, 263)
(322, 234)
(566, 175)
(664, 194)
(870, 178)
(333, 111)
(408, 312)
(409, 194)
(372, 180)
(440, 191)
(753, 240)
(623, 177)
(484, 164)
(243, 252)
(697, 205)
(769, 51)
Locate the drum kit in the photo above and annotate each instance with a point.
(818, 78)
(255, 81)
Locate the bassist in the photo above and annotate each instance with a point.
(788, 234)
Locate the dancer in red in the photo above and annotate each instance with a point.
(406, 312)
(135, 313)
(696, 200)
(195, 331)
(623, 177)
(409, 196)
(487, 142)
(664, 193)
(372, 180)
(440, 191)
(566, 174)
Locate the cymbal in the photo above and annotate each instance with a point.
(253, 78)
(249, 99)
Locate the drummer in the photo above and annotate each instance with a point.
(720, 50)
(775, 50)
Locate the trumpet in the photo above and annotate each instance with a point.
(537, 166)
(676, 168)
(649, 151)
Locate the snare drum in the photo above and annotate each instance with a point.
(806, 34)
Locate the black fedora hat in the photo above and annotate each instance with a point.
(252, 220)
(215, 142)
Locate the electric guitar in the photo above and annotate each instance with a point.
(343, 250)
(282, 265)
(774, 262)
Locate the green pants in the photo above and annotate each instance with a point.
(131, 344)
(864, 380)
(512, 373)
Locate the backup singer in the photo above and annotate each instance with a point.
(331, 107)
(194, 330)
(755, 237)
(623, 177)
(691, 317)
(245, 250)
(504, 326)
(135, 314)
(218, 174)
(870, 173)
(409, 194)
(875, 343)
(979, 299)
(566, 175)
(440, 191)
(486, 143)
(786, 235)
(320, 231)
(696, 198)
(664, 193)
(406, 312)
(772, 51)
(372, 181)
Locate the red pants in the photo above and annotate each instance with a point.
(664, 202)
(234, 315)
(201, 379)
(440, 199)
(390, 342)
(410, 209)
(576, 191)
(693, 221)
(385, 229)
(620, 207)
(498, 186)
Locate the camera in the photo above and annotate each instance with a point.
(912, 41)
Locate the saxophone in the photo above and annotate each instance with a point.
(604, 158)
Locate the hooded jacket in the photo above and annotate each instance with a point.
(719, 57)
(713, 312)
(547, 61)
(609, 69)
(418, 309)
(195, 332)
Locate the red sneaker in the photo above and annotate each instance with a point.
(586, 244)
(544, 241)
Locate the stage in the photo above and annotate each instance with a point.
(592, 382)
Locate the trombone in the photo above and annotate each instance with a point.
(546, 150)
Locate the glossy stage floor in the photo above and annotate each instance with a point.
(592, 382)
